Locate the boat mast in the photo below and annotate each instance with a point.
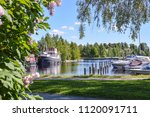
(139, 44)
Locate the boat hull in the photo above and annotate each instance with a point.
(139, 71)
(47, 61)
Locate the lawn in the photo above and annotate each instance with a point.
(124, 90)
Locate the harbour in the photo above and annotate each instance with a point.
(105, 66)
(85, 67)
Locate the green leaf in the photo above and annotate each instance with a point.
(2, 2)
(9, 65)
(17, 74)
(7, 84)
(7, 15)
(37, 97)
(46, 18)
(18, 80)
(10, 2)
(18, 52)
(25, 2)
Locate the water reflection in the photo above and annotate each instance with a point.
(74, 68)
(68, 68)
(52, 69)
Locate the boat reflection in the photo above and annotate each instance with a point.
(52, 69)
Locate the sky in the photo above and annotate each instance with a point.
(65, 23)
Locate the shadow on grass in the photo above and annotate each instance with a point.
(126, 90)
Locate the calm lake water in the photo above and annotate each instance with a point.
(76, 68)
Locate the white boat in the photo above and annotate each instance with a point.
(120, 64)
(138, 63)
(145, 69)
(50, 57)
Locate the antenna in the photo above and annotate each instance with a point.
(139, 43)
(139, 38)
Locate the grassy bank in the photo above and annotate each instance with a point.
(99, 89)
(95, 76)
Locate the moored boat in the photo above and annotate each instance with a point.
(145, 69)
(138, 63)
(120, 64)
(50, 57)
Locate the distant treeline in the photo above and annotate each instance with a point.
(72, 51)
(68, 51)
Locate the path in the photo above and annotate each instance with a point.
(47, 96)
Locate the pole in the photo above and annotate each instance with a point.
(139, 44)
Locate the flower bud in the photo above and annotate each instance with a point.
(58, 2)
(35, 75)
(52, 4)
(26, 81)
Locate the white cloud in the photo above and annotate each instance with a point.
(71, 28)
(77, 23)
(64, 27)
(57, 32)
(74, 37)
(67, 28)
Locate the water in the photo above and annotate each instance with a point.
(76, 68)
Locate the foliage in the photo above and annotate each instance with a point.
(116, 15)
(113, 50)
(68, 51)
(21, 18)
(72, 51)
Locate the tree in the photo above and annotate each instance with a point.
(94, 51)
(102, 51)
(75, 52)
(18, 20)
(134, 49)
(143, 49)
(116, 15)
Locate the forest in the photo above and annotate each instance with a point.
(72, 51)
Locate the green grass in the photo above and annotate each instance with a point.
(126, 90)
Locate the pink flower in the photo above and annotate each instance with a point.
(35, 75)
(58, 2)
(26, 81)
(30, 78)
(1, 11)
(52, 4)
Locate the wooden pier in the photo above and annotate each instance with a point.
(100, 68)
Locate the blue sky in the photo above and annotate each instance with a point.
(65, 23)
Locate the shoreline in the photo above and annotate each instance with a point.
(102, 79)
